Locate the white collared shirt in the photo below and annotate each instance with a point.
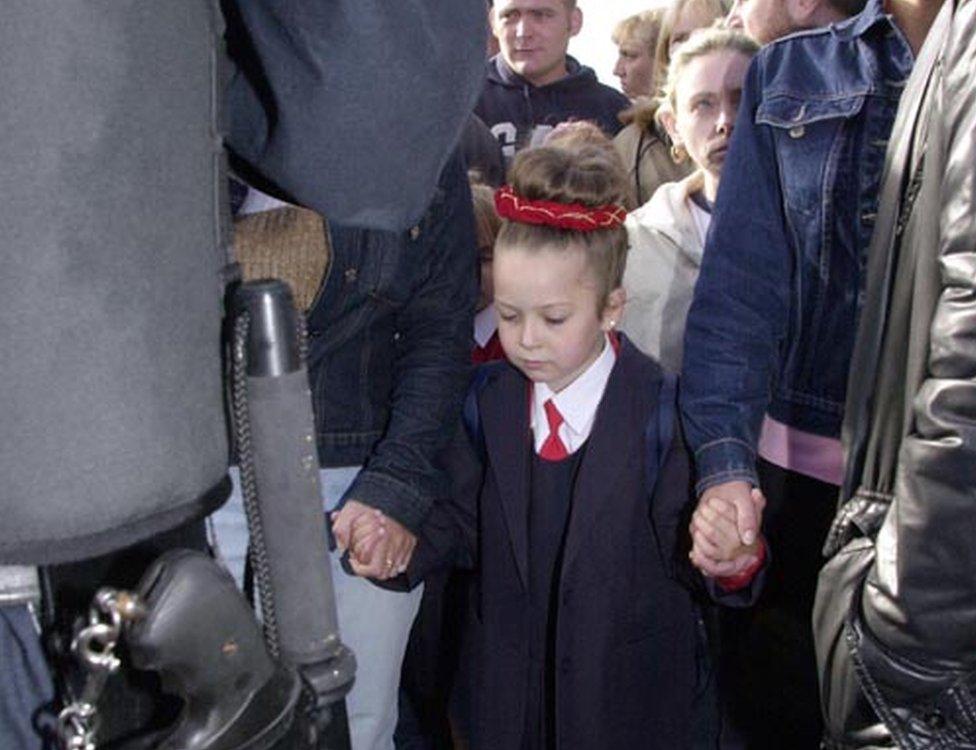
(577, 402)
(485, 325)
(256, 202)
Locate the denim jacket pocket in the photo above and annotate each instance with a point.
(368, 277)
(809, 135)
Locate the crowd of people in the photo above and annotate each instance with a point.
(622, 537)
(627, 547)
(589, 427)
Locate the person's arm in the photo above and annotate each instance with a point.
(449, 535)
(401, 476)
(670, 508)
(351, 107)
(738, 318)
(740, 308)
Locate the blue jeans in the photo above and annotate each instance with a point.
(373, 622)
(25, 684)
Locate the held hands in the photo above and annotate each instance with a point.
(379, 547)
(725, 529)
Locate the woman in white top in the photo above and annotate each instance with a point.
(667, 234)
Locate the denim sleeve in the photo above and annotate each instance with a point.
(740, 307)
(402, 477)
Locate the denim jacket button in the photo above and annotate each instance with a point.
(797, 131)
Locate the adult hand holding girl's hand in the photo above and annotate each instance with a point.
(379, 547)
(725, 529)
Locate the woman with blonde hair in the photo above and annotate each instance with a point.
(667, 234)
(643, 144)
(636, 40)
(681, 18)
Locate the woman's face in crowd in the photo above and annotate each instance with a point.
(693, 16)
(549, 321)
(634, 68)
(707, 95)
(763, 20)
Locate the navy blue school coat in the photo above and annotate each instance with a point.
(625, 640)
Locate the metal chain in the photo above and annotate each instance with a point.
(94, 647)
(245, 460)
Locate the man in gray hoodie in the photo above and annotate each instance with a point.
(532, 85)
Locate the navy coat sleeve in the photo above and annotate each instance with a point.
(671, 509)
(449, 536)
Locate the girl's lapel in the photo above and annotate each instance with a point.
(615, 441)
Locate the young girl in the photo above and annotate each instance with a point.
(667, 234)
(569, 487)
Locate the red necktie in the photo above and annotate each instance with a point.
(553, 448)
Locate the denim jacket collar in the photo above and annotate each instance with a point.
(873, 13)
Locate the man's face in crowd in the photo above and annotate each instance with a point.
(533, 36)
(763, 20)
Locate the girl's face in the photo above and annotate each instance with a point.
(549, 324)
(634, 68)
(707, 95)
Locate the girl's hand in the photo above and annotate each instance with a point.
(366, 532)
(717, 548)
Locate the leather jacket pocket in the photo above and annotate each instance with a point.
(847, 713)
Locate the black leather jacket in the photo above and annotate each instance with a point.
(895, 619)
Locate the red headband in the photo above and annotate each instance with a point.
(576, 216)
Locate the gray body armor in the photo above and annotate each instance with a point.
(110, 234)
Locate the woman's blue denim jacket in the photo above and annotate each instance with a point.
(771, 327)
(389, 347)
